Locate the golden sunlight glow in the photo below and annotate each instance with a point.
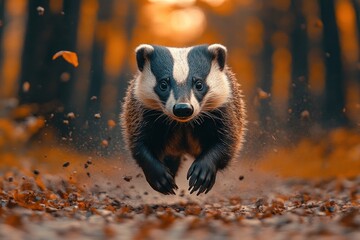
(187, 19)
(214, 3)
(180, 25)
(174, 2)
(187, 23)
(345, 15)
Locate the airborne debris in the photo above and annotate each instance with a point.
(65, 77)
(66, 164)
(111, 123)
(68, 56)
(305, 114)
(26, 86)
(40, 10)
(262, 94)
(71, 115)
(93, 98)
(105, 143)
(36, 172)
(127, 178)
(97, 115)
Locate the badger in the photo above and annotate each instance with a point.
(183, 101)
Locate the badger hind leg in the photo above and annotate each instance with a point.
(173, 164)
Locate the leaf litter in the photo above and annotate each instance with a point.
(62, 207)
(51, 198)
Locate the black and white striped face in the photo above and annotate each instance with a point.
(182, 82)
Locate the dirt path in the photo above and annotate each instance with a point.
(102, 200)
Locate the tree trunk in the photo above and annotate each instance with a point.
(130, 23)
(91, 134)
(299, 105)
(67, 41)
(356, 4)
(333, 115)
(35, 58)
(2, 11)
(46, 34)
(266, 115)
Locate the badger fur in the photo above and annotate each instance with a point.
(183, 101)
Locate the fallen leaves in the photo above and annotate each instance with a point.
(68, 56)
(38, 199)
(307, 208)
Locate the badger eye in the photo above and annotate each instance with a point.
(199, 85)
(164, 85)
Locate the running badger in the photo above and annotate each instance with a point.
(183, 101)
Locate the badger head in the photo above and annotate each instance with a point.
(182, 82)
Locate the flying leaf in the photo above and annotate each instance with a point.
(70, 57)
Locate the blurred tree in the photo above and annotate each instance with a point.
(93, 125)
(356, 4)
(130, 22)
(48, 31)
(266, 115)
(68, 29)
(333, 115)
(2, 11)
(299, 105)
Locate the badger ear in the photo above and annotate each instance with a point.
(142, 54)
(219, 53)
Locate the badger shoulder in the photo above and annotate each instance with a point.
(235, 110)
(131, 117)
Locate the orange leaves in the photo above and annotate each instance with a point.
(70, 57)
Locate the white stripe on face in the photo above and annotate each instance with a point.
(219, 89)
(181, 66)
(144, 88)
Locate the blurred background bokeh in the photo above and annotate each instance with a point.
(297, 61)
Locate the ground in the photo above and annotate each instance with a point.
(311, 190)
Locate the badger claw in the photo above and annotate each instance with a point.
(160, 179)
(201, 176)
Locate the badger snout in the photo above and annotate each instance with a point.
(183, 110)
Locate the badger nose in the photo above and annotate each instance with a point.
(183, 110)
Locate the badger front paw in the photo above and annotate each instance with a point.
(160, 179)
(201, 176)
